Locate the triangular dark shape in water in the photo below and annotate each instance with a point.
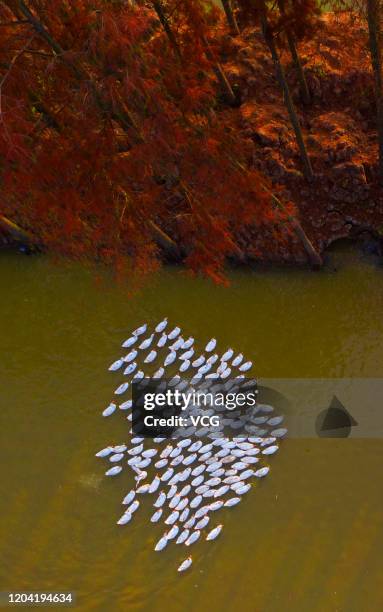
(337, 417)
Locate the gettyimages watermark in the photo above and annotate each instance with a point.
(190, 407)
(184, 400)
(298, 407)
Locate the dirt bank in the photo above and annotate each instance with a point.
(344, 199)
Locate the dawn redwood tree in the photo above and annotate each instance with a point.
(305, 93)
(371, 10)
(158, 7)
(111, 150)
(374, 28)
(258, 10)
(231, 19)
(190, 20)
(281, 76)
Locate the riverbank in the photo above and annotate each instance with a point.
(343, 200)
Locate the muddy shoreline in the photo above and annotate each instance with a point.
(344, 199)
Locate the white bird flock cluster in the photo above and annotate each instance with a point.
(190, 479)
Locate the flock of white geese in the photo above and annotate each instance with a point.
(199, 470)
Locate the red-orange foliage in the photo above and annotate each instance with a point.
(115, 131)
(300, 16)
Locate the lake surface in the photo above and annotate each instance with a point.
(307, 538)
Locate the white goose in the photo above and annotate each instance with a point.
(161, 326)
(187, 354)
(246, 366)
(211, 345)
(237, 360)
(130, 368)
(108, 411)
(146, 343)
(130, 356)
(185, 564)
(162, 542)
(170, 358)
(116, 365)
(130, 341)
(158, 373)
(121, 389)
(174, 333)
(140, 330)
(198, 362)
(177, 344)
(162, 341)
(214, 533)
(188, 343)
(227, 355)
(113, 471)
(185, 366)
(151, 356)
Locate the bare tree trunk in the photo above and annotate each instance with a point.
(16, 233)
(296, 59)
(164, 241)
(373, 17)
(21, 7)
(313, 256)
(308, 171)
(221, 76)
(230, 17)
(299, 69)
(157, 4)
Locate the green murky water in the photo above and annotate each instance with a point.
(307, 538)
